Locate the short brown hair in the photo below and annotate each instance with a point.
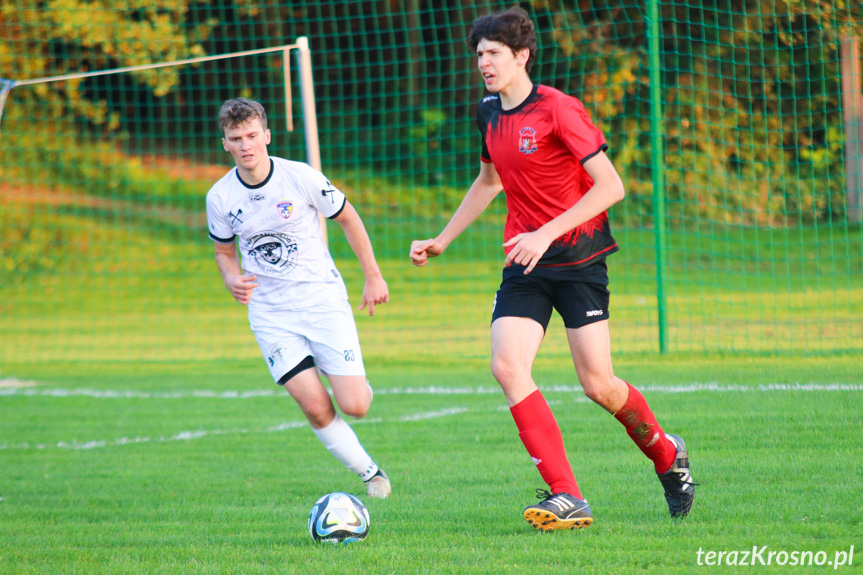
(238, 111)
(511, 27)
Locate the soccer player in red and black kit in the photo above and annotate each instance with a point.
(541, 147)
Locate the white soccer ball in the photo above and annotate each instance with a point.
(338, 518)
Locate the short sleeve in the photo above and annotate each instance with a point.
(482, 124)
(328, 199)
(484, 155)
(219, 226)
(577, 131)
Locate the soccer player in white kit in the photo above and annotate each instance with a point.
(298, 304)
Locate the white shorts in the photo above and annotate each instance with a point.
(328, 333)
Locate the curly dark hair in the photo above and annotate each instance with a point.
(238, 111)
(511, 27)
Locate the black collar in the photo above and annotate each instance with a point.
(262, 184)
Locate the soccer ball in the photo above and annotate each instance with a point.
(338, 518)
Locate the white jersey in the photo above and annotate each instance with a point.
(276, 226)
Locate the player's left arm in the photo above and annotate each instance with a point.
(375, 290)
(606, 191)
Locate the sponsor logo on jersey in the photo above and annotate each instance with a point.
(257, 197)
(285, 208)
(274, 252)
(527, 141)
(331, 189)
(490, 98)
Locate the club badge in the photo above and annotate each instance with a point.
(274, 252)
(527, 141)
(285, 209)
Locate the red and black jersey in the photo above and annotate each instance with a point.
(538, 148)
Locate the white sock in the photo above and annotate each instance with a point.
(341, 441)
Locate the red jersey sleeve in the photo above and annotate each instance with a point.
(575, 129)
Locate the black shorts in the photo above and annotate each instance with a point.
(579, 295)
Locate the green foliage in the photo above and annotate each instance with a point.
(110, 173)
(97, 35)
(750, 96)
(427, 143)
(26, 249)
(56, 159)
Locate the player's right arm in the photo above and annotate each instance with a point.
(483, 190)
(237, 283)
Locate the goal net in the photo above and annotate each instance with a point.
(737, 135)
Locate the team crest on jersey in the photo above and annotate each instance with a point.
(275, 253)
(527, 141)
(285, 208)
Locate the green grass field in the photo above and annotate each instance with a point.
(140, 431)
(206, 467)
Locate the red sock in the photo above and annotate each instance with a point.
(540, 434)
(641, 425)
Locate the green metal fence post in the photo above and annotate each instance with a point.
(657, 169)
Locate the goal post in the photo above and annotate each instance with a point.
(737, 136)
(313, 152)
(8, 84)
(310, 116)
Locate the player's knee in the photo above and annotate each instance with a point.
(505, 370)
(319, 412)
(355, 405)
(597, 395)
(600, 390)
(356, 409)
(353, 395)
(498, 368)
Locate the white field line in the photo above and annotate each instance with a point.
(181, 436)
(431, 390)
(198, 434)
(129, 394)
(190, 435)
(12, 382)
(433, 414)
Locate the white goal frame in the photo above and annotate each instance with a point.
(310, 122)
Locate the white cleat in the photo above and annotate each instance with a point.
(379, 485)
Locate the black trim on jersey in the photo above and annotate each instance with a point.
(262, 184)
(491, 108)
(602, 148)
(307, 363)
(572, 252)
(566, 257)
(341, 209)
(222, 241)
(530, 98)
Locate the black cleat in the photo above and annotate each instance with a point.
(677, 482)
(559, 511)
